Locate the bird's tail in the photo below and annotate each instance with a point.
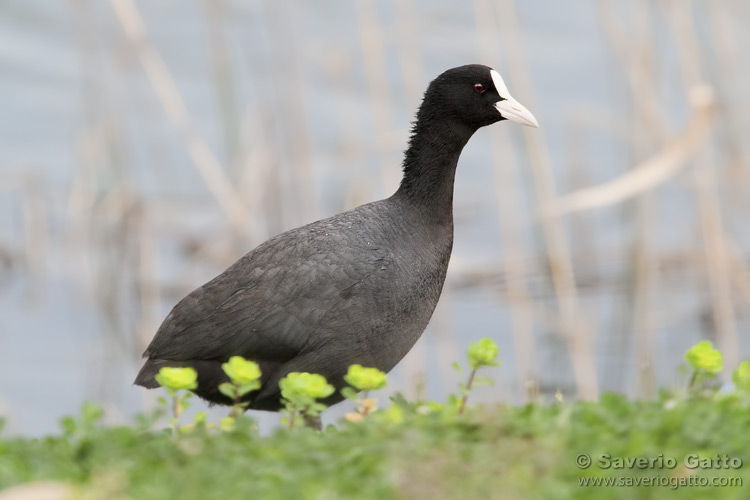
(146, 377)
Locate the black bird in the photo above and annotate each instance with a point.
(358, 287)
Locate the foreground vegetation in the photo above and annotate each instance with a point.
(689, 443)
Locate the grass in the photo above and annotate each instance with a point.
(417, 452)
(689, 440)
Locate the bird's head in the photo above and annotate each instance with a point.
(475, 95)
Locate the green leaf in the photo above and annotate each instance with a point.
(400, 400)
(200, 418)
(177, 378)
(457, 367)
(249, 387)
(365, 379)
(68, 425)
(241, 371)
(435, 406)
(227, 424)
(741, 377)
(395, 414)
(703, 357)
(91, 413)
(483, 382)
(227, 389)
(305, 384)
(316, 409)
(482, 353)
(349, 393)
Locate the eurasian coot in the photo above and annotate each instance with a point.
(358, 287)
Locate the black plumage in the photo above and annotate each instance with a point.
(358, 287)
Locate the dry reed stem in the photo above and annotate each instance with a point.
(255, 164)
(296, 170)
(688, 52)
(373, 46)
(645, 288)
(650, 173)
(740, 274)
(634, 50)
(578, 173)
(634, 58)
(224, 83)
(79, 210)
(516, 267)
(407, 25)
(169, 95)
(704, 175)
(579, 331)
(148, 286)
(82, 194)
(506, 177)
(621, 44)
(729, 62)
(646, 284)
(719, 268)
(585, 248)
(349, 151)
(36, 234)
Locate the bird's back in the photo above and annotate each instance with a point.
(358, 287)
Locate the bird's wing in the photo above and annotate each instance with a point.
(271, 303)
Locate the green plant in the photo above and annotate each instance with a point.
(410, 449)
(76, 428)
(492, 452)
(363, 380)
(176, 380)
(705, 361)
(244, 377)
(300, 392)
(741, 377)
(481, 353)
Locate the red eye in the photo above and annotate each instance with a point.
(479, 87)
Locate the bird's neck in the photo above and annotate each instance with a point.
(430, 167)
